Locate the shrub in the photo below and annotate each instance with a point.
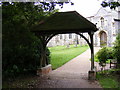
(116, 49)
(21, 52)
(21, 49)
(110, 53)
(102, 55)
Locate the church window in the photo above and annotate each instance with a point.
(102, 21)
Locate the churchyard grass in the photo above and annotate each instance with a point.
(108, 79)
(60, 54)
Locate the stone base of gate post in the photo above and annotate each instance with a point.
(44, 70)
(92, 75)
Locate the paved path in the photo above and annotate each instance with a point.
(73, 74)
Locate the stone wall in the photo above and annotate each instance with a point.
(105, 21)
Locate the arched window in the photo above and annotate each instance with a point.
(103, 38)
(102, 21)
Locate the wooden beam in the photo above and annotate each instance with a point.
(50, 37)
(85, 39)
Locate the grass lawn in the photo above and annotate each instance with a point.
(108, 79)
(60, 54)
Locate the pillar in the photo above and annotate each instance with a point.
(92, 51)
(92, 73)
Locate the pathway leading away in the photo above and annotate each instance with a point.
(73, 74)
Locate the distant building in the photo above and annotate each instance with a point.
(67, 39)
(108, 22)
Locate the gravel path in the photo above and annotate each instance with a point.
(73, 74)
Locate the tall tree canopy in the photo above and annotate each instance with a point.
(21, 48)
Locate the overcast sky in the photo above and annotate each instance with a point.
(84, 7)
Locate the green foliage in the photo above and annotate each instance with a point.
(49, 6)
(110, 54)
(112, 4)
(97, 60)
(102, 55)
(48, 55)
(116, 48)
(60, 54)
(20, 52)
(109, 79)
(21, 48)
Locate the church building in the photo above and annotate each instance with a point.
(108, 22)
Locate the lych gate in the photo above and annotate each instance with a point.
(62, 23)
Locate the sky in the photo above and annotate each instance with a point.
(85, 7)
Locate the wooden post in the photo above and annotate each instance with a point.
(92, 51)
(44, 67)
(92, 73)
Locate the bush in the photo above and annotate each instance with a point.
(102, 56)
(117, 49)
(110, 54)
(21, 49)
(21, 52)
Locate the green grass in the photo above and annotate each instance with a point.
(108, 80)
(60, 54)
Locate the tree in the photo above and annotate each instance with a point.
(21, 48)
(111, 3)
(116, 49)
